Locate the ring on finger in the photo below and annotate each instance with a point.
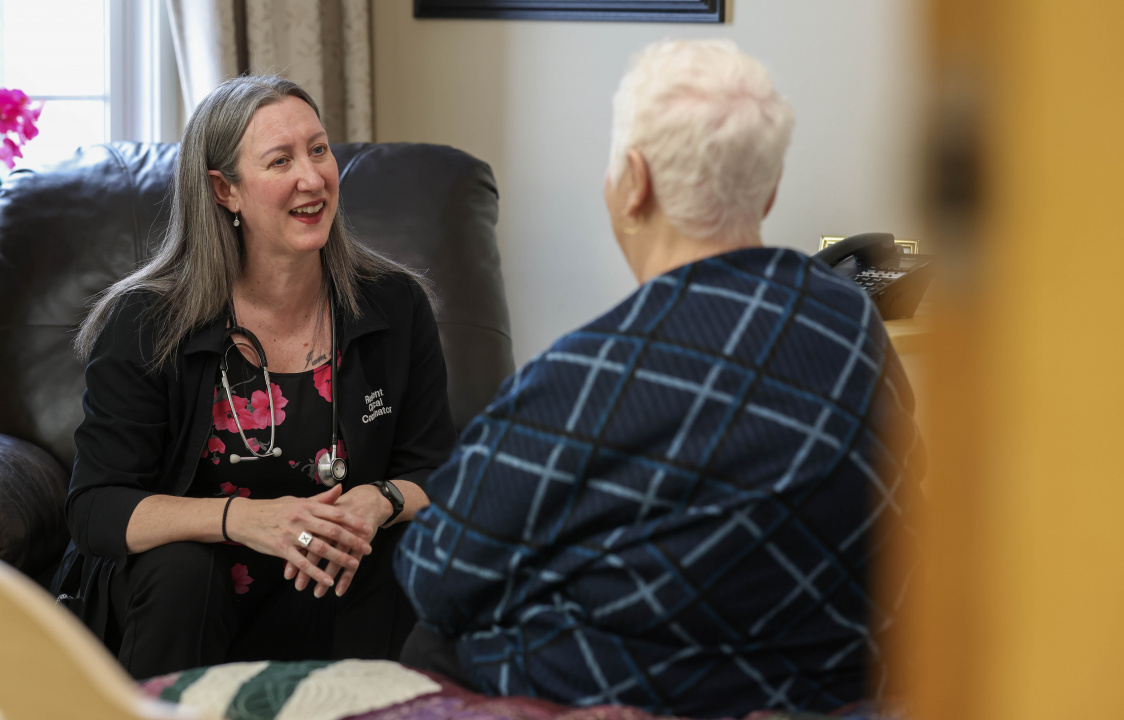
(305, 539)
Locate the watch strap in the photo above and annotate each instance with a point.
(394, 495)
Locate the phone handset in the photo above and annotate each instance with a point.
(869, 249)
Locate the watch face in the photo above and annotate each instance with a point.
(394, 495)
(392, 492)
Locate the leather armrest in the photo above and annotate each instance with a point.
(33, 532)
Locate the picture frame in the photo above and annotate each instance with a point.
(679, 11)
(909, 247)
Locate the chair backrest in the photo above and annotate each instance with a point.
(51, 666)
(67, 233)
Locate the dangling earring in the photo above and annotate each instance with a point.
(237, 222)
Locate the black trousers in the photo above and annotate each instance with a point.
(174, 607)
(428, 650)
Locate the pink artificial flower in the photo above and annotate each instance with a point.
(322, 378)
(241, 576)
(18, 118)
(259, 401)
(8, 152)
(18, 115)
(224, 419)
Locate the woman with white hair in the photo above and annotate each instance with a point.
(671, 506)
(212, 485)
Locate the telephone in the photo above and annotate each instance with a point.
(895, 279)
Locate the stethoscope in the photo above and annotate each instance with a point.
(329, 468)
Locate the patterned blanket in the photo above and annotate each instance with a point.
(379, 690)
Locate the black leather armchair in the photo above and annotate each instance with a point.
(67, 233)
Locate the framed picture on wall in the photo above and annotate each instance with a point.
(694, 11)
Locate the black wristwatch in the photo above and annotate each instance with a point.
(394, 495)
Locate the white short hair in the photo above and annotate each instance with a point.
(713, 132)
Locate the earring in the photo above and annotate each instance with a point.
(237, 222)
(635, 228)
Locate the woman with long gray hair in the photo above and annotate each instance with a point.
(220, 471)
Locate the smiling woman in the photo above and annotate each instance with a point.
(194, 532)
(285, 193)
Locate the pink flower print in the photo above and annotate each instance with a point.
(224, 419)
(322, 378)
(255, 446)
(259, 401)
(231, 489)
(241, 576)
(214, 449)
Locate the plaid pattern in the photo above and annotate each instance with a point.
(671, 507)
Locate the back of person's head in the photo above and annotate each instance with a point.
(713, 132)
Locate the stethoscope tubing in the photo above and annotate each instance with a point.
(271, 451)
(330, 472)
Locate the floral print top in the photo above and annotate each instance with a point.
(302, 404)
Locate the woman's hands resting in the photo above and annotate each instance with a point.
(341, 525)
(365, 501)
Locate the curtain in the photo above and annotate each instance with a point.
(323, 45)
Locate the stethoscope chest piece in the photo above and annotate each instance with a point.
(331, 469)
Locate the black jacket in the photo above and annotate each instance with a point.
(144, 431)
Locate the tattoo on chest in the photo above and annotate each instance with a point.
(309, 362)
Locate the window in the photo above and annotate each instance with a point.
(103, 69)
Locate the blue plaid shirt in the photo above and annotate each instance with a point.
(672, 506)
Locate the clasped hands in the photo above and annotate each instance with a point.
(342, 526)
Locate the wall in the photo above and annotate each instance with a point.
(533, 99)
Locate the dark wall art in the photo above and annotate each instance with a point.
(694, 11)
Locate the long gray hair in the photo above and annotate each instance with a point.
(193, 273)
